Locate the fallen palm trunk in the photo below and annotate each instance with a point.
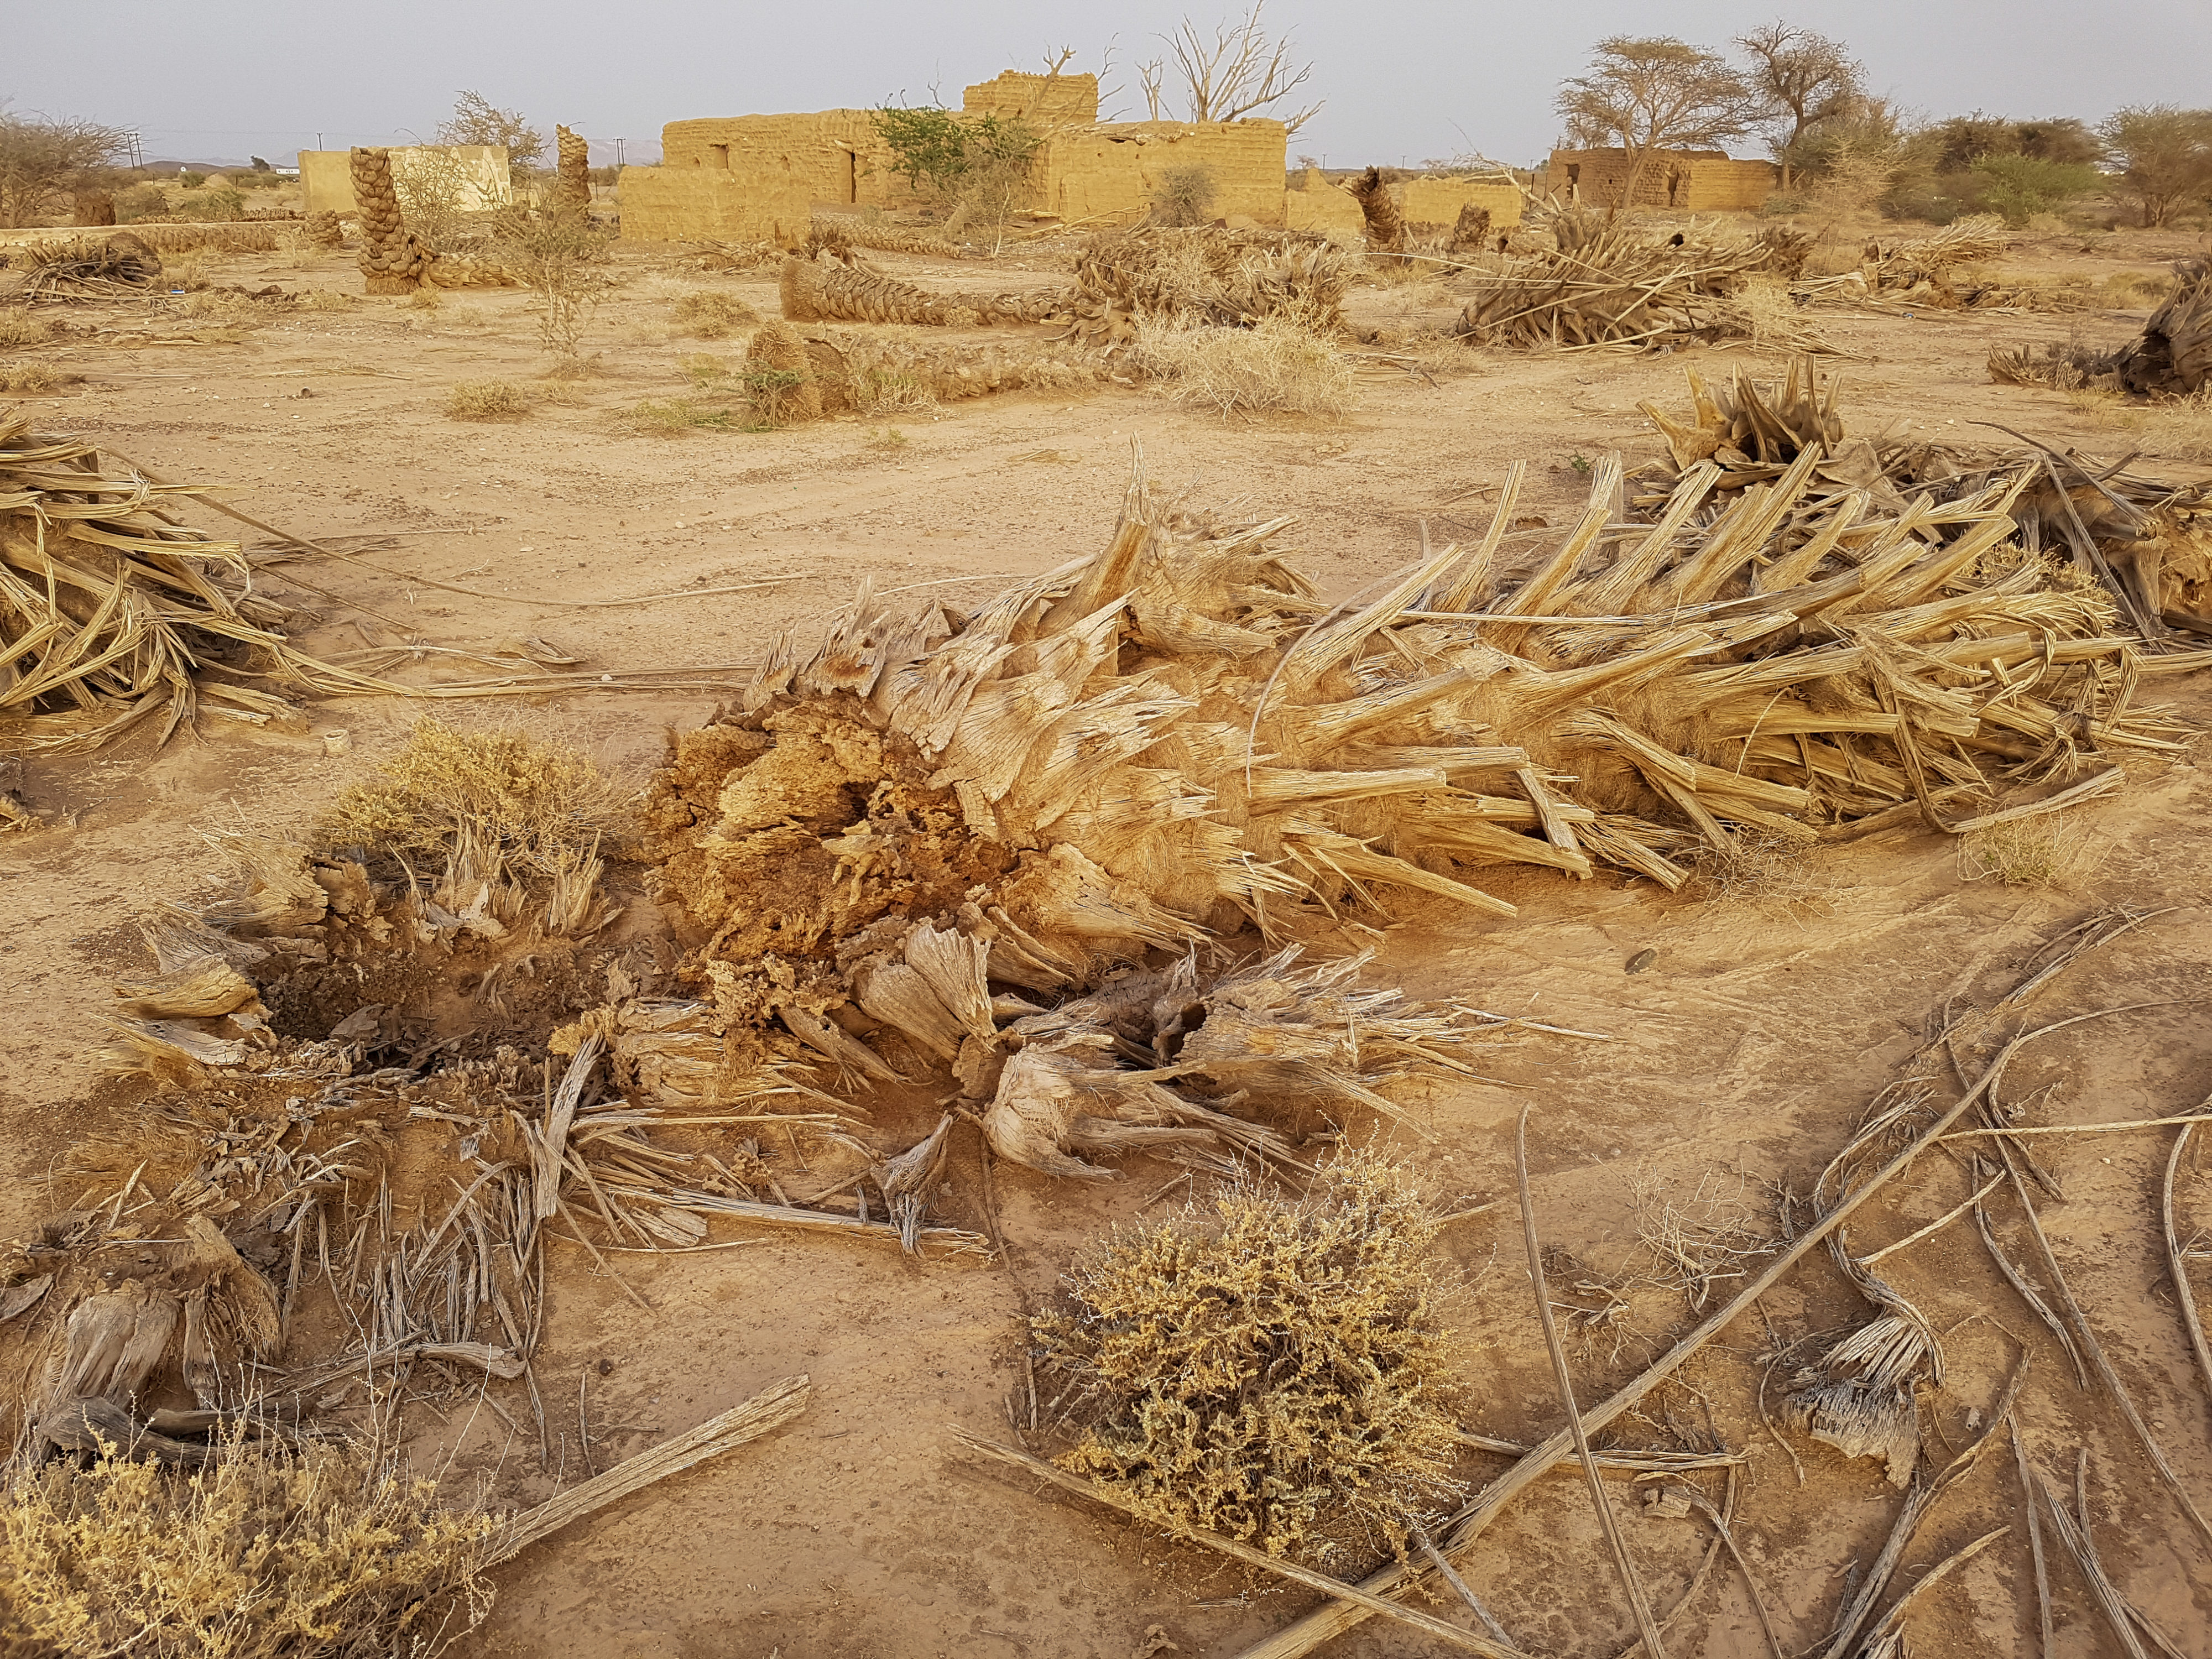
(816, 290)
(2172, 357)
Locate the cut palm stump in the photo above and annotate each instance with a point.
(1000, 848)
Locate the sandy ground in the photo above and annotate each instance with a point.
(1731, 1069)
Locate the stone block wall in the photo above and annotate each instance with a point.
(326, 176)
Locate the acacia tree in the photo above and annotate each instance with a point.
(1649, 94)
(42, 161)
(478, 120)
(2166, 155)
(1242, 70)
(1805, 80)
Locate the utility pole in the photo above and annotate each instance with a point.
(619, 142)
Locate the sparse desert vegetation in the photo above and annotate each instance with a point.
(915, 790)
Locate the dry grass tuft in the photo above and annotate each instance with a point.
(322, 299)
(34, 379)
(671, 417)
(1277, 1372)
(706, 314)
(264, 1553)
(1278, 367)
(540, 803)
(1767, 870)
(487, 400)
(2138, 290)
(19, 328)
(2056, 850)
(1704, 1240)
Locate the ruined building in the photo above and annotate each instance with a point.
(752, 176)
(1689, 181)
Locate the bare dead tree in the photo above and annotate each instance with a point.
(1805, 80)
(478, 120)
(1242, 70)
(1649, 94)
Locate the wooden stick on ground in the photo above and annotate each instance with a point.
(769, 1410)
(1639, 1602)
(2178, 1263)
(2034, 1538)
(1244, 1552)
(1319, 1627)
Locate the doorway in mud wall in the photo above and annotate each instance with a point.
(852, 176)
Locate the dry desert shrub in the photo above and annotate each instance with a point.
(19, 328)
(34, 379)
(2056, 850)
(671, 417)
(267, 1553)
(1277, 366)
(487, 400)
(706, 314)
(539, 804)
(1277, 1372)
(2138, 290)
(322, 299)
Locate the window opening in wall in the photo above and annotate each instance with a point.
(720, 155)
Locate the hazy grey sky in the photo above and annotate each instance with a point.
(1403, 79)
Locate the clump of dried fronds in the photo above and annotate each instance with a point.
(733, 257)
(89, 267)
(538, 803)
(110, 613)
(1614, 284)
(1922, 267)
(1277, 366)
(1277, 1372)
(270, 1551)
(827, 290)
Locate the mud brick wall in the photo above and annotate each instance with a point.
(1112, 172)
(1438, 201)
(1049, 100)
(675, 204)
(326, 176)
(1693, 180)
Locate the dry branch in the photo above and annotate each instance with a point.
(769, 1410)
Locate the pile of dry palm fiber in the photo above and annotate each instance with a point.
(88, 267)
(572, 179)
(110, 611)
(1611, 283)
(843, 289)
(2146, 541)
(2172, 357)
(926, 829)
(1202, 274)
